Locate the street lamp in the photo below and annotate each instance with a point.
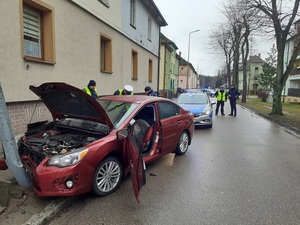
(188, 68)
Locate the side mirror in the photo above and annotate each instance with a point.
(122, 134)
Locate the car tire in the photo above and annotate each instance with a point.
(108, 176)
(183, 144)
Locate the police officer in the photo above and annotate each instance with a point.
(149, 91)
(127, 90)
(233, 94)
(221, 99)
(91, 89)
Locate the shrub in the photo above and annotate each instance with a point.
(263, 95)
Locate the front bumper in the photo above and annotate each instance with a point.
(51, 181)
(203, 120)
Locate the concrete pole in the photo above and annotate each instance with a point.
(10, 148)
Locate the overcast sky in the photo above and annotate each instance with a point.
(186, 16)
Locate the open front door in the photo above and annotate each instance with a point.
(134, 144)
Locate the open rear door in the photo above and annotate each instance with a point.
(134, 144)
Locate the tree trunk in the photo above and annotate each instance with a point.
(279, 81)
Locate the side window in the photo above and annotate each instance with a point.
(37, 31)
(147, 114)
(132, 13)
(168, 109)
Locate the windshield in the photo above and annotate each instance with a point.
(117, 111)
(192, 99)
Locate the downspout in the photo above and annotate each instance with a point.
(158, 67)
(165, 55)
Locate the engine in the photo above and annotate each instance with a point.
(49, 144)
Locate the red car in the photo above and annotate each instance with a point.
(92, 144)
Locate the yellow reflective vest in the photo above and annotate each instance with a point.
(88, 91)
(221, 96)
(121, 91)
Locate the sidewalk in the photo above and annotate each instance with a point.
(23, 206)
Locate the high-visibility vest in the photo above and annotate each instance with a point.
(88, 91)
(221, 97)
(121, 92)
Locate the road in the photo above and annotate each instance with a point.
(245, 170)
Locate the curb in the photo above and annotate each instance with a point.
(49, 212)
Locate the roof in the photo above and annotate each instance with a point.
(169, 44)
(252, 60)
(154, 11)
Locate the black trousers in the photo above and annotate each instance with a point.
(220, 103)
(233, 106)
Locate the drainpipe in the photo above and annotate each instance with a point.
(158, 67)
(10, 149)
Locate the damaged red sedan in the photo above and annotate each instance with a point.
(81, 150)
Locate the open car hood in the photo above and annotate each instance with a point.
(65, 101)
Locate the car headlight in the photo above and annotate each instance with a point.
(206, 112)
(68, 159)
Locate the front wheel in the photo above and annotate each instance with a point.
(183, 144)
(108, 176)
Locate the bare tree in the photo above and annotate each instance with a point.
(222, 40)
(234, 19)
(281, 17)
(242, 24)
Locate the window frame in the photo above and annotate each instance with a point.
(132, 13)
(134, 65)
(150, 70)
(149, 35)
(47, 32)
(105, 54)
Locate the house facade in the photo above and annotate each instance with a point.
(188, 77)
(169, 66)
(112, 42)
(291, 91)
(254, 69)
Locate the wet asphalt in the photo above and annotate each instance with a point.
(244, 170)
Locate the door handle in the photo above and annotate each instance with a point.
(179, 121)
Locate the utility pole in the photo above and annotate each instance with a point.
(10, 149)
(188, 64)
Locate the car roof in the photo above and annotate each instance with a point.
(194, 93)
(133, 98)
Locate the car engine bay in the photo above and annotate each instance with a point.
(54, 140)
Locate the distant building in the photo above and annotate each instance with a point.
(254, 69)
(291, 91)
(169, 65)
(190, 81)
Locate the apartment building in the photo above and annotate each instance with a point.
(72, 41)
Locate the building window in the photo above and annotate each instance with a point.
(132, 13)
(105, 2)
(134, 66)
(105, 54)
(149, 29)
(150, 69)
(37, 31)
(256, 68)
(32, 33)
